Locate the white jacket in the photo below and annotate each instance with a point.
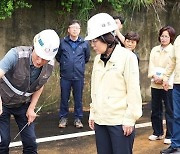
(115, 90)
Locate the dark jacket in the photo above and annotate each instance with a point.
(72, 61)
(15, 86)
(137, 55)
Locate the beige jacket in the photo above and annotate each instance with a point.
(174, 63)
(159, 59)
(115, 90)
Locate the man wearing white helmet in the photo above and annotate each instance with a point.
(23, 72)
(115, 91)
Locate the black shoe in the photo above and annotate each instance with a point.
(169, 150)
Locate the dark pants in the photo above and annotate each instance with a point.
(27, 135)
(111, 140)
(176, 124)
(158, 97)
(77, 87)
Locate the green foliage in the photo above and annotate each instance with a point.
(86, 6)
(129, 5)
(118, 5)
(7, 7)
(74, 9)
(83, 7)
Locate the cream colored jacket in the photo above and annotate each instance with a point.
(159, 59)
(174, 63)
(115, 90)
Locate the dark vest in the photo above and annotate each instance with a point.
(15, 88)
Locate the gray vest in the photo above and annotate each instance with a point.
(15, 88)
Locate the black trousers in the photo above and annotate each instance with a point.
(160, 96)
(111, 140)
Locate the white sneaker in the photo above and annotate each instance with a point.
(154, 137)
(167, 141)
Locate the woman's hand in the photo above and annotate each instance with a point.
(128, 130)
(157, 80)
(91, 124)
(165, 85)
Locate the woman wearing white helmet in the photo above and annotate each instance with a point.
(23, 72)
(115, 91)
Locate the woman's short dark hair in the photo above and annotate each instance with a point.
(170, 30)
(108, 38)
(132, 36)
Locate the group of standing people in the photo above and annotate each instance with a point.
(25, 69)
(115, 90)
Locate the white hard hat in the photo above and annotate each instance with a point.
(46, 44)
(100, 24)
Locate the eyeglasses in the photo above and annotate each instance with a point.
(74, 27)
(164, 36)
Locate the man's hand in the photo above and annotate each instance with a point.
(127, 130)
(31, 115)
(165, 85)
(91, 124)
